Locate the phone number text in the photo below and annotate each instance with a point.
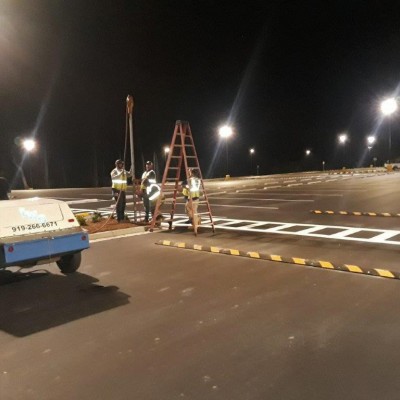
(29, 227)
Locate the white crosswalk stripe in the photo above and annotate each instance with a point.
(378, 236)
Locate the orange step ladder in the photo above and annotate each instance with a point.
(182, 155)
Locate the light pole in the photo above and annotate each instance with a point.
(251, 152)
(225, 132)
(388, 107)
(342, 140)
(28, 145)
(166, 151)
(370, 142)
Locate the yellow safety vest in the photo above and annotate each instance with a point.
(119, 179)
(194, 187)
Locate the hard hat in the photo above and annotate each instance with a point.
(148, 163)
(119, 161)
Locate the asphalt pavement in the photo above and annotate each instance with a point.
(142, 320)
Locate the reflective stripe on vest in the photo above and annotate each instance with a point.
(153, 188)
(194, 187)
(120, 182)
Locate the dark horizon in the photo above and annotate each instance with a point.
(288, 75)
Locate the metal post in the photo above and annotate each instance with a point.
(390, 138)
(129, 110)
(227, 157)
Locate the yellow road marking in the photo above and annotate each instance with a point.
(384, 272)
(354, 268)
(253, 254)
(326, 264)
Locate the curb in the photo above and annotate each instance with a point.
(356, 213)
(116, 232)
(378, 272)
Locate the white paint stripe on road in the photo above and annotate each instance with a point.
(229, 205)
(251, 199)
(381, 236)
(84, 201)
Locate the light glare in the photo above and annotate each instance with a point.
(29, 145)
(225, 131)
(389, 106)
(343, 138)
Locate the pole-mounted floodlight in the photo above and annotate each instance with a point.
(308, 152)
(251, 151)
(29, 145)
(371, 140)
(389, 106)
(166, 150)
(225, 131)
(343, 138)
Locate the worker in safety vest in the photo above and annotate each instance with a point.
(150, 190)
(191, 193)
(119, 177)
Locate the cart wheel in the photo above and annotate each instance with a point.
(69, 263)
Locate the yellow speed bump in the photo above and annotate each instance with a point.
(355, 213)
(327, 265)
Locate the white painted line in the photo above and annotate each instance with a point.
(312, 230)
(309, 230)
(229, 205)
(252, 199)
(347, 232)
(278, 228)
(85, 201)
(117, 237)
(383, 236)
(272, 187)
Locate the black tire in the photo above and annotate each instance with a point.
(69, 263)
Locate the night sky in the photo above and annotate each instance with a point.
(288, 75)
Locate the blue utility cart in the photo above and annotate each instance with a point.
(38, 231)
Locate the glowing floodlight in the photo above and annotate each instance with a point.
(29, 145)
(225, 131)
(389, 106)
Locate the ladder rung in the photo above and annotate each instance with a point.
(173, 168)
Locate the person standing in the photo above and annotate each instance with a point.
(149, 190)
(4, 189)
(119, 177)
(191, 192)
